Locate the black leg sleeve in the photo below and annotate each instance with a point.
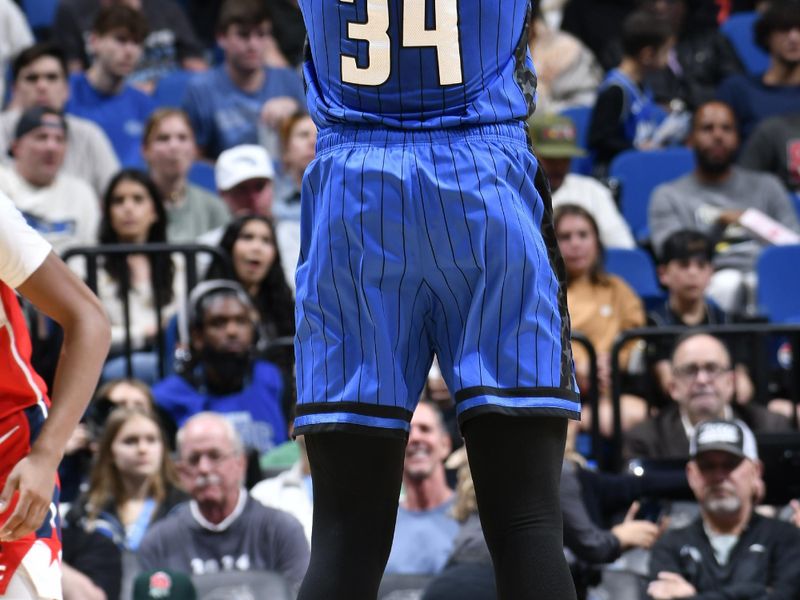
(356, 490)
(516, 467)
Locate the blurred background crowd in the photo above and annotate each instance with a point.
(160, 146)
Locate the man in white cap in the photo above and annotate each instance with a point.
(244, 176)
(730, 551)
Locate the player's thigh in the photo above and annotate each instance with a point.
(502, 314)
(360, 302)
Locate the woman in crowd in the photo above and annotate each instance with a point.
(133, 482)
(255, 262)
(601, 306)
(169, 148)
(133, 213)
(298, 137)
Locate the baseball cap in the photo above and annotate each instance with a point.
(731, 436)
(38, 116)
(554, 136)
(685, 244)
(163, 584)
(240, 163)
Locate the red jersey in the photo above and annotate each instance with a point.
(22, 251)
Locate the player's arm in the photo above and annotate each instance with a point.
(55, 290)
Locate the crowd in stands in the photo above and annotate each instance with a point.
(162, 143)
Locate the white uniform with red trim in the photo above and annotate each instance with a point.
(23, 406)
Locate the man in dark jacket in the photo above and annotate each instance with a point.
(702, 387)
(729, 551)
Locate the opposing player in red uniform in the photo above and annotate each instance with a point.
(32, 434)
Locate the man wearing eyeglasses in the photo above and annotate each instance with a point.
(702, 387)
(222, 529)
(730, 551)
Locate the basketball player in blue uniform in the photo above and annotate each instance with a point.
(426, 228)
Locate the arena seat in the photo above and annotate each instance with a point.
(580, 116)
(738, 28)
(171, 88)
(778, 284)
(638, 173)
(637, 269)
(202, 174)
(40, 15)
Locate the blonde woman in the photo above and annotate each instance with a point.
(133, 481)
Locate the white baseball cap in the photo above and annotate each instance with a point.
(241, 163)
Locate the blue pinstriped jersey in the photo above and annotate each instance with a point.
(418, 64)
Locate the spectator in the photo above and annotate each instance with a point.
(298, 137)
(131, 394)
(625, 115)
(222, 528)
(255, 262)
(244, 176)
(15, 36)
(223, 372)
(703, 388)
(133, 482)
(425, 528)
(103, 94)
(554, 141)
(61, 207)
(774, 147)
(730, 551)
(589, 500)
(567, 72)
(777, 91)
(170, 43)
(700, 60)
(242, 100)
(685, 270)
(134, 213)
(39, 76)
(291, 490)
(245, 180)
(600, 306)
(169, 148)
(712, 198)
(298, 148)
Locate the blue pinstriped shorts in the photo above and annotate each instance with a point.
(423, 242)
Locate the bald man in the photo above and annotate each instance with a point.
(702, 387)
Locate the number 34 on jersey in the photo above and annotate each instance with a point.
(375, 31)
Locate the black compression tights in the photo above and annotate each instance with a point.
(516, 466)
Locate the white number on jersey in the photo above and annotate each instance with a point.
(376, 33)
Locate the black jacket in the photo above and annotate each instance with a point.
(763, 565)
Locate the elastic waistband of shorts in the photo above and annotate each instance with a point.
(348, 135)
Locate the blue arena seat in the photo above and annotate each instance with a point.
(638, 270)
(202, 174)
(739, 31)
(778, 284)
(40, 14)
(580, 115)
(638, 173)
(171, 88)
